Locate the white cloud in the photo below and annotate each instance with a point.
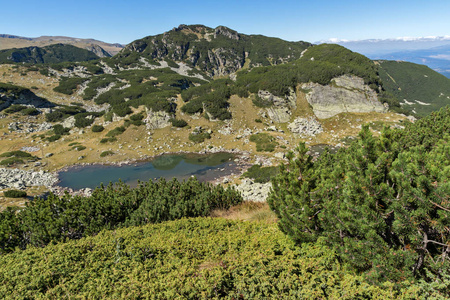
(441, 56)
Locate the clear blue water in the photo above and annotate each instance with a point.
(182, 166)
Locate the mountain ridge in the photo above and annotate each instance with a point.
(8, 41)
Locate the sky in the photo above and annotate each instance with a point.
(123, 21)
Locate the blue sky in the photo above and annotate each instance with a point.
(123, 21)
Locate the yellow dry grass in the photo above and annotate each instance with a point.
(247, 211)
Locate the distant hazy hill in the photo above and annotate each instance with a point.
(48, 54)
(8, 41)
(417, 87)
(215, 51)
(433, 52)
(437, 58)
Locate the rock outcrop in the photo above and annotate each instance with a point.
(157, 120)
(281, 109)
(344, 94)
(252, 191)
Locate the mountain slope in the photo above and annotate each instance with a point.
(419, 89)
(11, 41)
(217, 52)
(437, 58)
(48, 54)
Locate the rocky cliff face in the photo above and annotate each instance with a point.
(344, 94)
(281, 109)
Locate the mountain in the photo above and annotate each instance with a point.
(49, 54)
(419, 89)
(433, 52)
(12, 41)
(437, 58)
(216, 51)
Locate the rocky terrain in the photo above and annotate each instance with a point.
(20, 179)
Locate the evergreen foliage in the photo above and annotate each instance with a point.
(382, 205)
(72, 217)
(200, 258)
(14, 194)
(97, 128)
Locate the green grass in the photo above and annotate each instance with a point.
(264, 142)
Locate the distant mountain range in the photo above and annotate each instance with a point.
(8, 41)
(433, 52)
(49, 54)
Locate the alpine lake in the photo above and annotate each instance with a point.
(206, 167)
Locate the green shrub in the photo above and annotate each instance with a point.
(116, 131)
(79, 147)
(15, 194)
(178, 123)
(60, 130)
(53, 138)
(11, 161)
(30, 111)
(106, 153)
(14, 108)
(17, 153)
(97, 128)
(108, 140)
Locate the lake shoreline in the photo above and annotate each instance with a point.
(240, 161)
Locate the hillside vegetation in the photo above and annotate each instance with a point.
(418, 88)
(189, 259)
(49, 54)
(383, 204)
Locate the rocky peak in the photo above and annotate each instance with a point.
(227, 32)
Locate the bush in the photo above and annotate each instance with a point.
(108, 140)
(15, 194)
(97, 128)
(116, 131)
(53, 138)
(106, 153)
(79, 147)
(14, 108)
(58, 129)
(30, 111)
(178, 123)
(11, 161)
(17, 153)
